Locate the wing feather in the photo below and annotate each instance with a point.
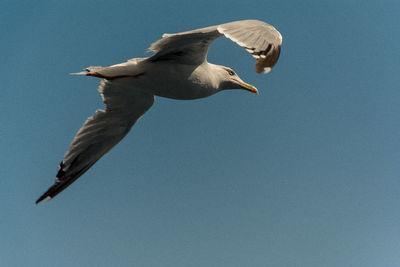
(260, 39)
(124, 106)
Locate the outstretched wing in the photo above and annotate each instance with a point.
(124, 105)
(260, 39)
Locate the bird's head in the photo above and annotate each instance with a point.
(230, 80)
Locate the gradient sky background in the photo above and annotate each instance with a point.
(305, 174)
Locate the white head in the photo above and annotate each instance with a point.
(230, 80)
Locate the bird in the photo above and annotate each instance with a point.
(177, 69)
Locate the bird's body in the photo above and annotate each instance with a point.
(159, 78)
(177, 70)
(191, 85)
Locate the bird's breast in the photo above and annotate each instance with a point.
(177, 81)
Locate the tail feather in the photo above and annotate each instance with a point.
(80, 73)
(89, 71)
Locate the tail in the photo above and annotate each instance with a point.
(85, 73)
(128, 69)
(91, 71)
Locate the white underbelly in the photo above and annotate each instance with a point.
(175, 81)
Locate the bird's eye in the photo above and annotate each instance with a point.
(231, 72)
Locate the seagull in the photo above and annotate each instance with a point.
(178, 69)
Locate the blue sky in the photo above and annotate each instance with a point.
(305, 174)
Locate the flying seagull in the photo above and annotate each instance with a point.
(178, 69)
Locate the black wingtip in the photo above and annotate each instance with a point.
(53, 190)
(57, 188)
(63, 181)
(41, 198)
(50, 193)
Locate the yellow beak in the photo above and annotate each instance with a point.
(248, 87)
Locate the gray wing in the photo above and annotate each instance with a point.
(260, 39)
(124, 106)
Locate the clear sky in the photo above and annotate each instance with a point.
(304, 174)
